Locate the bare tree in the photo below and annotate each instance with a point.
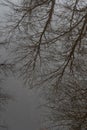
(48, 33)
(51, 40)
(67, 109)
(6, 68)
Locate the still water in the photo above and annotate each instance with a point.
(22, 113)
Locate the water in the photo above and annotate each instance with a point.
(22, 113)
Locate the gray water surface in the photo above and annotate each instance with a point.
(22, 113)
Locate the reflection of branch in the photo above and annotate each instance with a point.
(45, 28)
(71, 29)
(3, 126)
(77, 41)
(48, 20)
(73, 12)
(6, 68)
(27, 10)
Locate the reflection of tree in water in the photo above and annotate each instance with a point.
(4, 97)
(51, 39)
(68, 107)
(5, 70)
